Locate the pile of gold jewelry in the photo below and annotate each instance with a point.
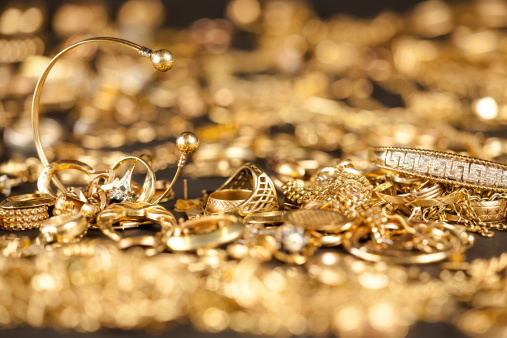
(369, 190)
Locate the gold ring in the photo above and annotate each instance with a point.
(24, 212)
(265, 218)
(227, 200)
(45, 177)
(263, 195)
(490, 211)
(442, 167)
(123, 187)
(207, 231)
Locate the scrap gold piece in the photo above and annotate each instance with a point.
(206, 231)
(226, 200)
(187, 143)
(44, 181)
(265, 218)
(24, 212)
(160, 188)
(341, 188)
(293, 244)
(249, 190)
(120, 190)
(162, 60)
(320, 220)
(490, 211)
(442, 167)
(436, 242)
(64, 229)
(136, 212)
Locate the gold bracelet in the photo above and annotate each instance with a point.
(24, 212)
(442, 167)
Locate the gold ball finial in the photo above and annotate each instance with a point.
(187, 143)
(162, 59)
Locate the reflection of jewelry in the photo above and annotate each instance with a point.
(442, 167)
(24, 212)
(263, 193)
(135, 212)
(227, 200)
(66, 228)
(490, 211)
(207, 231)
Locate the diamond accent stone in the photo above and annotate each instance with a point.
(425, 162)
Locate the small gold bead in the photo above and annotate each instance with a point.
(162, 59)
(187, 143)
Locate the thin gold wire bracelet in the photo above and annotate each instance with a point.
(162, 60)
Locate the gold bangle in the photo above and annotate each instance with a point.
(207, 231)
(24, 212)
(442, 167)
(162, 60)
(65, 228)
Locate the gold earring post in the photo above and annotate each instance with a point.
(162, 60)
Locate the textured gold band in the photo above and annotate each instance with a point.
(442, 167)
(25, 212)
(250, 177)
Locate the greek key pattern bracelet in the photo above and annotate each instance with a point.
(442, 167)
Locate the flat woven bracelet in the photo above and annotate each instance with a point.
(442, 167)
